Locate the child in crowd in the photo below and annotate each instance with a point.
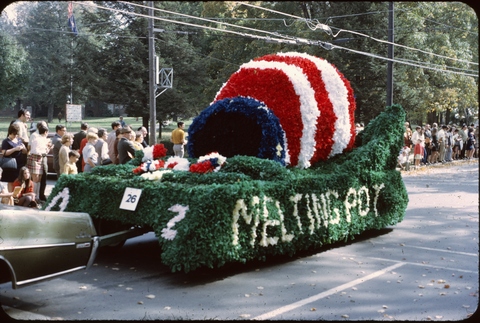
(71, 165)
(403, 158)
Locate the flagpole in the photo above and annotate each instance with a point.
(71, 69)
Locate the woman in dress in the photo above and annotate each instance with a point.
(13, 147)
(26, 197)
(90, 156)
(67, 140)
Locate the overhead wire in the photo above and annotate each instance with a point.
(294, 41)
(327, 28)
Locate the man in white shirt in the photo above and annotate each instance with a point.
(37, 159)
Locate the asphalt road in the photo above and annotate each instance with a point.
(424, 268)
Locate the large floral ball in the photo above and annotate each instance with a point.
(312, 100)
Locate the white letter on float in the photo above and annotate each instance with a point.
(295, 199)
(240, 208)
(360, 211)
(309, 215)
(335, 220)
(348, 205)
(265, 241)
(285, 237)
(168, 233)
(315, 205)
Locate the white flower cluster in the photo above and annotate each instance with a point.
(147, 153)
(156, 175)
(181, 163)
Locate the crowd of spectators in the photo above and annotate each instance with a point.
(429, 145)
(72, 153)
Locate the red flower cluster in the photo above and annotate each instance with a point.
(171, 165)
(159, 151)
(202, 167)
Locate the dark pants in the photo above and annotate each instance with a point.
(43, 186)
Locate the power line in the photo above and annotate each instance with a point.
(316, 25)
(293, 41)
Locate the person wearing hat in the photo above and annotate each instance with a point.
(126, 150)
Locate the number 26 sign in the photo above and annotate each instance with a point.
(130, 198)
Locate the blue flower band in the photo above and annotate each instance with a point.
(238, 126)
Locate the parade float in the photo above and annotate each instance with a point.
(275, 167)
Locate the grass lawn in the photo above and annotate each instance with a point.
(74, 127)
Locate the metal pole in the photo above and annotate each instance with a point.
(151, 73)
(390, 55)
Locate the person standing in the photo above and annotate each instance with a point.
(464, 133)
(23, 134)
(448, 144)
(60, 130)
(43, 180)
(144, 132)
(63, 158)
(111, 138)
(137, 141)
(441, 137)
(71, 165)
(457, 144)
(37, 158)
(122, 123)
(470, 145)
(427, 133)
(84, 142)
(101, 147)
(90, 156)
(418, 140)
(126, 150)
(77, 139)
(13, 147)
(433, 147)
(178, 139)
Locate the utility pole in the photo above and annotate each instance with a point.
(390, 55)
(151, 73)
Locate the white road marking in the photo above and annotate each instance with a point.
(329, 292)
(439, 250)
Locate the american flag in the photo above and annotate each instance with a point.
(71, 18)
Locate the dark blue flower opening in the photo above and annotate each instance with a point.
(238, 126)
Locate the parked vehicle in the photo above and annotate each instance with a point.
(36, 245)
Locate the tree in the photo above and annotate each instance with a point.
(446, 29)
(41, 32)
(14, 70)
